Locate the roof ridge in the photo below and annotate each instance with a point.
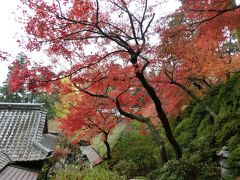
(7, 105)
(38, 142)
(41, 119)
(41, 147)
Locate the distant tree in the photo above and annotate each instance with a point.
(26, 96)
(20, 96)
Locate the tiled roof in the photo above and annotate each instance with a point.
(3, 160)
(17, 173)
(91, 154)
(21, 133)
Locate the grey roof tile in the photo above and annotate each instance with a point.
(4, 160)
(17, 173)
(91, 154)
(49, 141)
(21, 133)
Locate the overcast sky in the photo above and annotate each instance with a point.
(7, 31)
(9, 28)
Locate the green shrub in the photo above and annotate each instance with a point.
(179, 170)
(228, 130)
(71, 172)
(233, 142)
(144, 160)
(189, 169)
(209, 171)
(198, 133)
(139, 149)
(142, 157)
(185, 131)
(198, 113)
(155, 174)
(100, 174)
(126, 168)
(234, 161)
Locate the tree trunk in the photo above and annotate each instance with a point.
(161, 115)
(107, 146)
(159, 142)
(228, 75)
(154, 132)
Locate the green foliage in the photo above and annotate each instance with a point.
(209, 171)
(233, 142)
(201, 133)
(99, 174)
(143, 158)
(44, 171)
(139, 149)
(178, 170)
(189, 168)
(229, 129)
(48, 101)
(224, 98)
(69, 172)
(185, 131)
(126, 168)
(234, 161)
(76, 173)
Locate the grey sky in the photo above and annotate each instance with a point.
(7, 31)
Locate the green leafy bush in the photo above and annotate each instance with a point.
(189, 169)
(179, 170)
(196, 131)
(71, 172)
(234, 161)
(126, 168)
(233, 142)
(143, 158)
(209, 171)
(100, 174)
(139, 149)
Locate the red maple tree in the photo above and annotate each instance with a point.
(197, 47)
(108, 52)
(88, 117)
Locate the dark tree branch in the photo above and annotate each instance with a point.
(192, 95)
(216, 10)
(97, 12)
(89, 93)
(144, 66)
(148, 25)
(130, 115)
(132, 25)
